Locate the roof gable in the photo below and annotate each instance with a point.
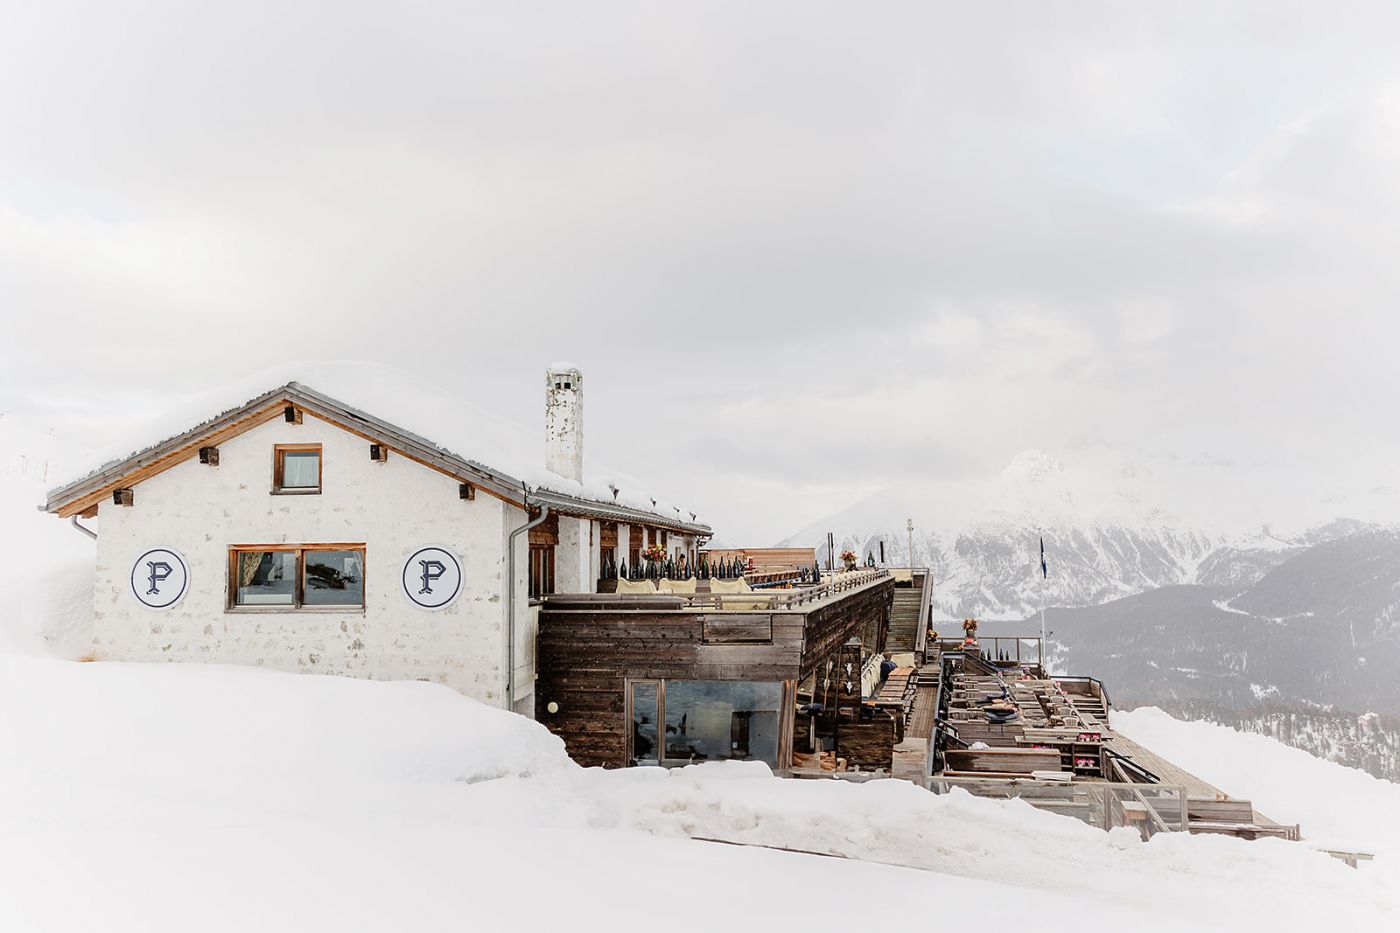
(507, 441)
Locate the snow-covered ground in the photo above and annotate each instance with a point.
(176, 797)
(190, 797)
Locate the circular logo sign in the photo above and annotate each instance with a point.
(159, 578)
(432, 578)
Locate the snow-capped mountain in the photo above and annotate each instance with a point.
(1108, 529)
(1106, 535)
(1322, 627)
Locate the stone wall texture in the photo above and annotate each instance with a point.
(391, 508)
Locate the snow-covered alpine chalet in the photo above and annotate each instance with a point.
(349, 521)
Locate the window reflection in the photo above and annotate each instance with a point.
(334, 578)
(717, 720)
(267, 578)
(644, 724)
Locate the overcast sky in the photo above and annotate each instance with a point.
(804, 253)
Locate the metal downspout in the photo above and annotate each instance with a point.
(510, 597)
(87, 531)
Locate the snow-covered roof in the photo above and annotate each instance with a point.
(415, 411)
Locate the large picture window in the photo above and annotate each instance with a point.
(296, 468)
(679, 722)
(297, 577)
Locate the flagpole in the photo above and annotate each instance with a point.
(1044, 642)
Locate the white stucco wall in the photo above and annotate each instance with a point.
(624, 546)
(391, 508)
(528, 616)
(571, 557)
(595, 554)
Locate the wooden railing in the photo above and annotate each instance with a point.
(992, 645)
(925, 611)
(753, 601)
(774, 600)
(938, 735)
(1147, 808)
(1095, 687)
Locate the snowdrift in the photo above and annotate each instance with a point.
(45, 565)
(1338, 807)
(178, 797)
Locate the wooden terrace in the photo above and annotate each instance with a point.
(1000, 727)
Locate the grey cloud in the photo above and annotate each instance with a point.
(748, 223)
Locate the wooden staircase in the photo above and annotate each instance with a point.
(1090, 708)
(904, 618)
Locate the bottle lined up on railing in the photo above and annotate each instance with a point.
(681, 568)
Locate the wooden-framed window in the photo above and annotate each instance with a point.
(294, 577)
(634, 546)
(543, 539)
(541, 571)
(607, 549)
(680, 722)
(296, 469)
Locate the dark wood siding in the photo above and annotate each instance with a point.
(585, 656)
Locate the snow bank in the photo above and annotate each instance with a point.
(217, 727)
(1337, 807)
(1009, 842)
(45, 566)
(168, 797)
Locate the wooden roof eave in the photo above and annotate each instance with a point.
(82, 495)
(592, 508)
(411, 445)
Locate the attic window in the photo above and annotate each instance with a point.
(296, 469)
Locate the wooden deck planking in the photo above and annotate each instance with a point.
(924, 710)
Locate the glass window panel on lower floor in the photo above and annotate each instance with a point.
(644, 750)
(266, 578)
(334, 578)
(709, 720)
(301, 469)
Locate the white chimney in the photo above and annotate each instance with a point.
(563, 421)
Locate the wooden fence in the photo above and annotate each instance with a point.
(1147, 808)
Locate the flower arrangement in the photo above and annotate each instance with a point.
(655, 553)
(848, 556)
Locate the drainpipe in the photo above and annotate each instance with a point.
(510, 597)
(87, 531)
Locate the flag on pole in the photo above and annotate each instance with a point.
(1044, 570)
